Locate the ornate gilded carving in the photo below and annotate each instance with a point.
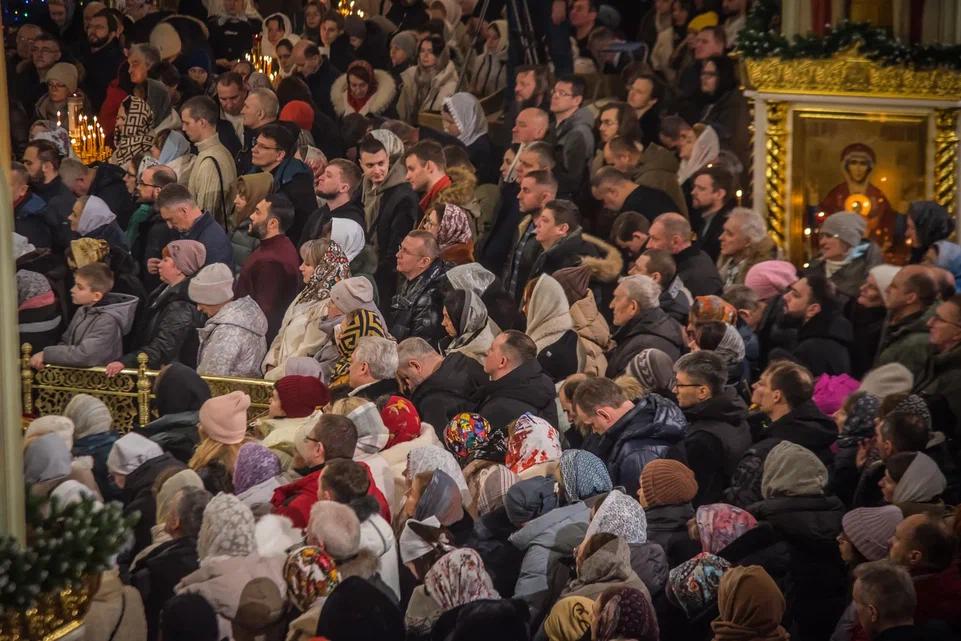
(55, 616)
(26, 378)
(775, 171)
(946, 158)
(849, 74)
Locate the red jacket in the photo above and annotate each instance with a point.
(294, 500)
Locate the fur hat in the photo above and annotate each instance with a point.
(212, 285)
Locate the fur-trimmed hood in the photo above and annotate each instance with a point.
(461, 189)
(364, 565)
(608, 267)
(376, 104)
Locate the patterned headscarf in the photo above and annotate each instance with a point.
(693, 584)
(334, 267)
(401, 419)
(626, 613)
(914, 404)
(227, 528)
(705, 309)
(454, 227)
(719, 524)
(310, 574)
(532, 440)
(583, 475)
(255, 464)
(621, 516)
(570, 619)
(489, 487)
(85, 251)
(362, 322)
(459, 577)
(30, 285)
(134, 136)
(428, 458)
(859, 423)
(470, 436)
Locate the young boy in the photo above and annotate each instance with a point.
(95, 334)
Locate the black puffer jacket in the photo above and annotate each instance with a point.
(156, 575)
(179, 394)
(108, 184)
(667, 526)
(823, 343)
(416, 309)
(448, 391)
(525, 389)
(717, 437)
(817, 589)
(698, 272)
(138, 497)
(170, 332)
(651, 328)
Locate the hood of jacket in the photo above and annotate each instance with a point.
(653, 417)
(727, 407)
(657, 158)
(461, 189)
(96, 213)
(654, 322)
(243, 313)
(608, 266)
(287, 170)
(828, 326)
(545, 529)
(611, 563)
(580, 118)
(32, 205)
(589, 323)
(121, 307)
(806, 425)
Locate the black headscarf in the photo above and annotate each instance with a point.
(933, 223)
(342, 620)
(180, 389)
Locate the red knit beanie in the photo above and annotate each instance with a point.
(299, 113)
(301, 395)
(667, 482)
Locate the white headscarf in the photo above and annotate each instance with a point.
(467, 112)
(706, 149)
(96, 213)
(130, 452)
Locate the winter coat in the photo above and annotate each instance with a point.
(870, 323)
(594, 336)
(295, 499)
(667, 526)
(170, 334)
(377, 538)
(717, 437)
(906, 342)
(524, 389)
(212, 175)
(442, 86)
(818, 584)
(138, 496)
(300, 334)
(675, 300)
(152, 236)
(295, 180)
(416, 308)
(940, 386)
(771, 332)
(523, 254)
(650, 328)
(544, 541)
(157, 573)
(212, 236)
(40, 225)
(697, 272)
(575, 138)
(108, 185)
(221, 581)
(98, 446)
(566, 253)
(448, 391)
(488, 71)
(608, 567)
(560, 359)
(806, 426)
(733, 269)
(379, 102)
(657, 169)
(95, 333)
(60, 202)
(270, 276)
(653, 429)
(232, 341)
(397, 215)
(116, 612)
(851, 275)
(650, 563)
(822, 344)
(176, 433)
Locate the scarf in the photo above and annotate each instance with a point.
(441, 499)
(334, 268)
(227, 529)
(570, 619)
(750, 605)
(922, 482)
(454, 227)
(693, 584)
(548, 313)
(358, 103)
(719, 524)
(432, 193)
(532, 441)
(134, 136)
(458, 578)
(468, 114)
(706, 148)
(621, 516)
(859, 423)
(361, 323)
(428, 458)
(583, 475)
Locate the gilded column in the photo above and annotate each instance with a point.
(775, 171)
(946, 158)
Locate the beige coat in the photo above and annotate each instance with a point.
(300, 335)
(396, 458)
(594, 336)
(283, 430)
(118, 607)
(209, 188)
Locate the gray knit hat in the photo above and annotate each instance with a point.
(870, 529)
(352, 294)
(885, 380)
(847, 226)
(188, 255)
(213, 285)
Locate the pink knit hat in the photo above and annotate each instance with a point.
(224, 418)
(770, 278)
(870, 529)
(830, 392)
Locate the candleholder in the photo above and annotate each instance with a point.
(89, 143)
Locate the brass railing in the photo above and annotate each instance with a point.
(127, 395)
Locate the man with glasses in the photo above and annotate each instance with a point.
(717, 431)
(940, 385)
(103, 57)
(273, 152)
(416, 309)
(574, 130)
(30, 80)
(260, 109)
(213, 170)
(147, 233)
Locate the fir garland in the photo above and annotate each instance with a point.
(66, 544)
(761, 38)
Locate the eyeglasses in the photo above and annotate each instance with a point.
(143, 184)
(561, 93)
(941, 319)
(676, 385)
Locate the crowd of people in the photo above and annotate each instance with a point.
(537, 374)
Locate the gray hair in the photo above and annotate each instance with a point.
(148, 52)
(191, 502)
(643, 290)
(704, 368)
(71, 169)
(268, 102)
(889, 588)
(414, 348)
(380, 354)
(675, 225)
(750, 223)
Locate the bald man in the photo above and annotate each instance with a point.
(532, 124)
(672, 232)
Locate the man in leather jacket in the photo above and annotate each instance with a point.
(416, 309)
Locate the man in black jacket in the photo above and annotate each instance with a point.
(717, 431)
(274, 153)
(32, 218)
(620, 194)
(558, 230)
(641, 324)
(104, 181)
(416, 308)
(660, 266)
(672, 232)
(823, 333)
(537, 188)
(42, 160)
(517, 382)
(103, 58)
(440, 387)
(712, 195)
(338, 186)
(151, 233)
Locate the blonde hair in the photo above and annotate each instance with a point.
(631, 387)
(210, 450)
(313, 252)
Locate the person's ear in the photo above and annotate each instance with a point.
(97, 296)
(813, 310)
(744, 315)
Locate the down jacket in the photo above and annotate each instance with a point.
(653, 429)
(233, 342)
(171, 321)
(650, 328)
(95, 334)
(415, 311)
(525, 389)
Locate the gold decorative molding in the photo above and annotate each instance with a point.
(55, 615)
(775, 171)
(850, 74)
(946, 158)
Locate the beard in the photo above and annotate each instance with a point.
(257, 231)
(96, 43)
(328, 195)
(791, 320)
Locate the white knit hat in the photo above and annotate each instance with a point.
(212, 285)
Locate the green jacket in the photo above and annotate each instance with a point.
(906, 342)
(940, 386)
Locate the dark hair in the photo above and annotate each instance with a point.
(112, 24)
(628, 142)
(540, 76)
(705, 368)
(629, 223)
(281, 210)
(98, 276)
(173, 194)
(166, 73)
(661, 261)
(230, 78)
(280, 21)
(350, 173)
(294, 88)
(822, 291)
(370, 145)
(345, 479)
(657, 90)
(710, 334)
(428, 151)
(897, 464)
(542, 178)
(721, 178)
(741, 296)
(609, 175)
(436, 43)
(597, 392)
(216, 478)
(337, 434)
(456, 156)
(354, 127)
(922, 283)
(726, 74)
(454, 302)
(333, 16)
(282, 136)
(577, 83)
(793, 381)
(190, 510)
(203, 108)
(565, 213)
(907, 432)
(672, 125)
(163, 176)
(520, 346)
(627, 122)
(46, 152)
(935, 543)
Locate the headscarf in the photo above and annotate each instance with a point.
(393, 145)
(467, 433)
(914, 404)
(718, 524)
(922, 482)
(30, 285)
(949, 258)
(174, 147)
(454, 227)
(372, 195)
(255, 464)
(548, 313)
(427, 458)
(360, 324)
(130, 451)
(365, 71)
(85, 251)
(530, 498)
(626, 613)
(931, 222)
(583, 475)
(731, 348)
(180, 389)
(89, 415)
(489, 487)
(413, 545)
(859, 422)
(310, 575)
(458, 578)
(134, 136)
(621, 516)
(792, 470)
(158, 99)
(166, 493)
(706, 149)
(334, 268)
(227, 529)
(468, 114)
(706, 309)
(570, 619)
(693, 584)
(372, 434)
(751, 607)
(470, 277)
(532, 441)
(342, 620)
(21, 245)
(96, 213)
(50, 424)
(472, 322)
(401, 419)
(269, 49)
(45, 459)
(70, 492)
(441, 498)
(653, 369)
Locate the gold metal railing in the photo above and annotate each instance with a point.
(127, 395)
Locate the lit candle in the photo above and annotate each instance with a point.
(738, 193)
(58, 118)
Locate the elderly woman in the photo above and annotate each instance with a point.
(489, 67)
(463, 117)
(846, 255)
(132, 133)
(171, 318)
(450, 225)
(301, 333)
(363, 90)
(428, 84)
(352, 300)
(744, 244)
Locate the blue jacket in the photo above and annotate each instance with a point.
(213, 237)
(97, 446)
(654, 429)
